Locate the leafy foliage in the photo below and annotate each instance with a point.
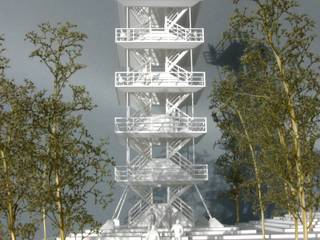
(17, 148)
(275, 99)
(72, 165)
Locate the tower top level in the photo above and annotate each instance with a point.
(160, 3)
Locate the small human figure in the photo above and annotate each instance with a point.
(152, 217)
(152, 234)
(169, 218)
(177, 230)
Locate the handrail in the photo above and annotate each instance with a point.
(179, 159)
(143, 19)
(140, 160)
(177, 100)
(184, 33)
(147, 200)
(164, 124)
(183, 207)
(147, 34)
(177, 71)
(140, 208)
(176, 144)
(144, 102)
(138, 145)
(182, 164)
(175, 111)
(176, 78)
(174, 57)
(125, 173)
(172, 15)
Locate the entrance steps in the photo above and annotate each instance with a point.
(285, 226)
(165, 234)
(225, 233)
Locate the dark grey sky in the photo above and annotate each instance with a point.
(98, 18)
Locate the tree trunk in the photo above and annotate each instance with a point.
(10, 210)
(310, 225)
(295, 136)
(11, 221)
(290, 192)
(237, 204)
(12, 234)
(296, 230)
(44, 223)
(60, 209)
(257, 175)
(300, 175)
(58, 193)
(303, 213)
(261, 209)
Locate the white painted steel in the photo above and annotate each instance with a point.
(154, 79)
(160, 3)
(195, 173)
(162, 125)
(174, 38)
(177, 33)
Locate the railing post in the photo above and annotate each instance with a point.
(165, 22)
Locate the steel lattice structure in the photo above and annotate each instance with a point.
(160, 128)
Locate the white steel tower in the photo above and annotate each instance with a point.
(160, 128)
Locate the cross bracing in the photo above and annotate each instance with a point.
(160, 127)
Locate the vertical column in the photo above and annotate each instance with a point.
(192, 94)
(127, 94)
(190, 18)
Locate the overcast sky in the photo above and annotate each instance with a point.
(98, 18)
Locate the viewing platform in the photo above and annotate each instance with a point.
(176, 37)
(157, 176)
(177, 81)
(162, 126)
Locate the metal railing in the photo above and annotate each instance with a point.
(182, 162)
(178, 99)
(172, 106)
(160, 125)
(184, 208)
(197, 172)
(200, 172)
(176, 144)
(174, 58)
(138, 145)
(141, 160)
(172, 15)
(159, 34)
(145, 16)
(121, 173)
(158, 79)
(140, 208)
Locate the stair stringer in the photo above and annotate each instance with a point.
(161, 209)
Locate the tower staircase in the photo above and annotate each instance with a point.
(145, 16)
(157, 86)
(172, 106)
(141, 211)
(174, 16)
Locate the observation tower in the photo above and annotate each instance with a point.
(160, 127)
(157, 45)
